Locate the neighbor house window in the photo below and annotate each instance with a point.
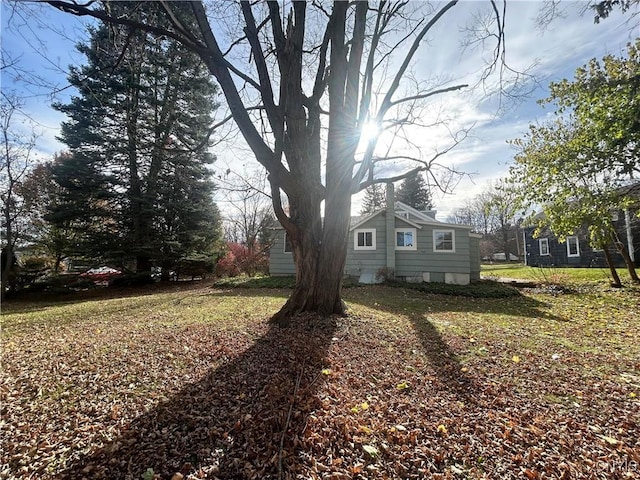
(364, 239)
(573, 247)
(544, 246)
(406, 239)
(444, 241)
(288, 247)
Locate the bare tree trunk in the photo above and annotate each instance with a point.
(7, 253)
(56, 266)
(7, 263)
(622, 250)
(612, 269)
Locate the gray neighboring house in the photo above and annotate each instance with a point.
(412, 244)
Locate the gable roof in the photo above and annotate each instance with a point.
(631, 190)
(416, 213)
(421, 218)
(359, 221)
(428, 219)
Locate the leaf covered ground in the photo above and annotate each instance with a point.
(192, 382)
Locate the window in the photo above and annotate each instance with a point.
(288, 247)
(444, 241)
(544, 246)
(406, 239)
(364, 239)
(573, 247)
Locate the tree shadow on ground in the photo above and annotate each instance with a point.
(443, 360)
(416, 306)
(401, 299)
(243, 420)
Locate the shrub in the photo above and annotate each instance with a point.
(240, 259)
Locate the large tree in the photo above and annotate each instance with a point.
(136, 182)
(574, 165)
(301, 80)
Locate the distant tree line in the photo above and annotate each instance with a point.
(493, 214)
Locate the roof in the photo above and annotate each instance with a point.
(361, 220)
(421, 218)
(631, 190)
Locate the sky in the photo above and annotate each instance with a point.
(40, 40)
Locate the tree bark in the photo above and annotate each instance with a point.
(7, 252)
(614, 273)
(620, 247)
(7, 264)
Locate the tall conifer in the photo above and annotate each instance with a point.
(415, 192)
(374, 199)
(137, 183)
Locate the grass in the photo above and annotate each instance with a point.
(255, 282)
(555, 275)
(110, 384)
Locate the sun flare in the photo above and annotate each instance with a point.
(370, 130)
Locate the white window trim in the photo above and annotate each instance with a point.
(284, 248)
(453, 241)
(364, 247)
(569, 254)
(542, 241)
(404, 230)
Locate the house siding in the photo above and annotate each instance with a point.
(558, 251)
(361, 261)
(412, 264)
(280, 263)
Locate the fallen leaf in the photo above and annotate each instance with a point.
(370, 450)
(609, 440)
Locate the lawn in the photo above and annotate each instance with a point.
(192, 382)
(555, 275)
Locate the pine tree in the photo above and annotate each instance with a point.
(374, 199)
(136, 183)
(415, 192)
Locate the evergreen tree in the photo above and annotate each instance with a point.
(374, 199)
(415, 192)
(136, 183)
